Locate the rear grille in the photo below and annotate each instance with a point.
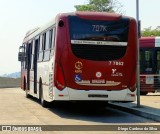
(98, 52)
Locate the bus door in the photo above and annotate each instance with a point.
(33, 70)
(157, 69)
(146, 61)
(29, 52)
(36, 46)
(147, 70)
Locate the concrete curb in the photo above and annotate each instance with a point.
(138, 112)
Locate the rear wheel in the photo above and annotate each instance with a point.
(43, 102)
(26, 90)
(27, 95)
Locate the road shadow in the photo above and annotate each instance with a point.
(93, 112)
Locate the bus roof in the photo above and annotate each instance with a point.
(82, 14)
(34, 32)
(149, 42)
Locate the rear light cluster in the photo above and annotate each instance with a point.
(59, 80)
(133, 83)
(133, 88)
(131, 95)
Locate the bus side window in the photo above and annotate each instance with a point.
(25, 56)
(32, 54)
(44, 42)
(47, 40)
(148, 61)
(26, 50)
(142, 61)
(28, 55)
(46, 48)
(158, 62)
(23, 62)
(21, 55)
(52, 41)
(40, 52)
(37, 43)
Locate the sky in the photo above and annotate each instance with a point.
(19, 16)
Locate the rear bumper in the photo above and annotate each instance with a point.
(94, 95)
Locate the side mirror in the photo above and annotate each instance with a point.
(21, 54)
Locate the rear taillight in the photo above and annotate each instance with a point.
(132, 86)
(59, 77)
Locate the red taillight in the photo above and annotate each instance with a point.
(133, 83)
(133, 88)
(59, 77)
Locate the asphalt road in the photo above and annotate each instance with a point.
(16, 109)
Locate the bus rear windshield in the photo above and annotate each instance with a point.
(98, 40)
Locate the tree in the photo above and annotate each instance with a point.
(151, 32)
(101, 6)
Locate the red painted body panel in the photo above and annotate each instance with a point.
(88, 69)
(146, 87)
(98, 16)
(146, 42)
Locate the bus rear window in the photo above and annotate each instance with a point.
(98, 40)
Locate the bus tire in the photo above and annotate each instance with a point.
(24, 84)
(27, 95)
(43, 102)
(26, 90)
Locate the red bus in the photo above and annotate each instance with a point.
(81, 56)
(149, 64)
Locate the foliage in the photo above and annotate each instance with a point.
(151, 32)
(100, 5)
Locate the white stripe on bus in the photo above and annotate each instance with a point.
(110, 43)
